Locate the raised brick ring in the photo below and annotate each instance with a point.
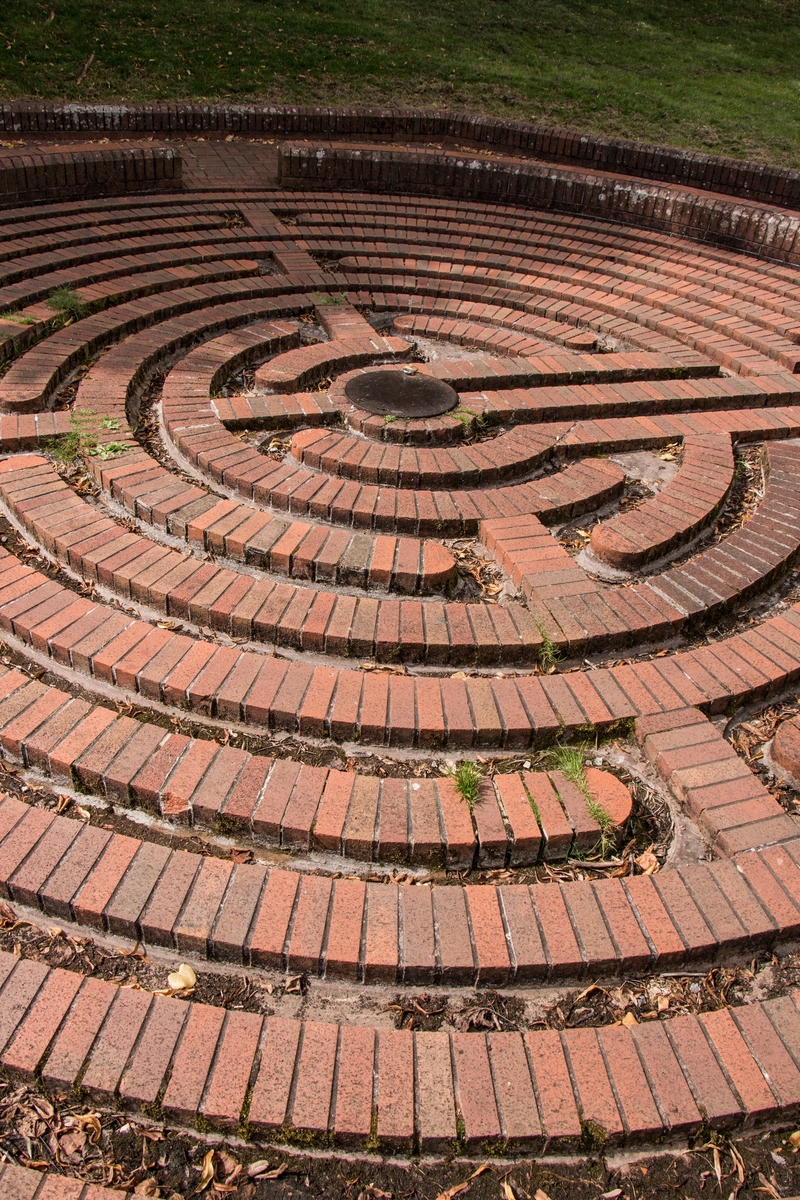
(310, 552)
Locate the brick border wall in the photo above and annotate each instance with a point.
(77, 174)
(764, 232)
(747, 180)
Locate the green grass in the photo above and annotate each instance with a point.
(67, 301)
(705, 74)
(569, 760)
(467, 780)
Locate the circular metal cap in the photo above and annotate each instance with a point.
(398, 394)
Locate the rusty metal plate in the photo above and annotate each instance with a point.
(397, 394)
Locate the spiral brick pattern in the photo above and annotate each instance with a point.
(226, 537)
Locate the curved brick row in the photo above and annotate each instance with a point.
(695, 169)
(400, 710)
(398, 1089)
(100, 548)
(296, 371)
(122, 261)
(362, 219)
(24, 1183)
(90, 171)
(579, 612)
(547, 258)
(503, 340)
(514, 453)
(29, 382)
(686, 505)
(345, 928)
(753, 351)
(507, 181)
(518, 820)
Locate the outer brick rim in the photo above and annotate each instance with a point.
(73, 175)
(693, 168)
(693, 214)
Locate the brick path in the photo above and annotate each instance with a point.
(235, 288)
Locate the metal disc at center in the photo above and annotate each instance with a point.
(397, 394)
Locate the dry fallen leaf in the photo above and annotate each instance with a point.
(257, 1168)
(458, 1189)
(182, 979)
(648, 862)
(508, 1193)
(206, 1175)
(241, 855)
(663, 1003)
(540, 1195)
(629, 1019)
(148, 1187)
(794, 1139)
(72, 1142)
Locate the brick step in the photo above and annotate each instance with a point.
(396, 1090)
(99, 547)
(300, 368)
(708, 306)
(388, 709)
(96, 546)
(24, 1183)
(752, 351)
(126, 287)
(566, 239)
(39, 244)
(274, 917)
(547, 363)
(687, 504)
(32, 379)
(422, 291)
(582, 614)
(502, 339)
(720, 792)
(513, 453)
(518, 820)
(36, 285)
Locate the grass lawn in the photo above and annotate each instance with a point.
(717, 75)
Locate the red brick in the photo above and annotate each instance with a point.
(38, 1028)
(354, 1084)
(230, 1074)
(474, 1088)
(270, 1099)
(78, 1032)
(395, 1088)
(557, 1107)
(311, 1105)
(148, 1065)
(436, 1114)
(193, 1059)
(117, 1038)
(713, 1096)
(514, 1094)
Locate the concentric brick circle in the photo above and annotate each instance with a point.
(269, 613)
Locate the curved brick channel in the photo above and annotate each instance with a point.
(225, 540)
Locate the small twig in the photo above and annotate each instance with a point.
(86, 66)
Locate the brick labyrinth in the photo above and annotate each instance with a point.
(228, 540)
